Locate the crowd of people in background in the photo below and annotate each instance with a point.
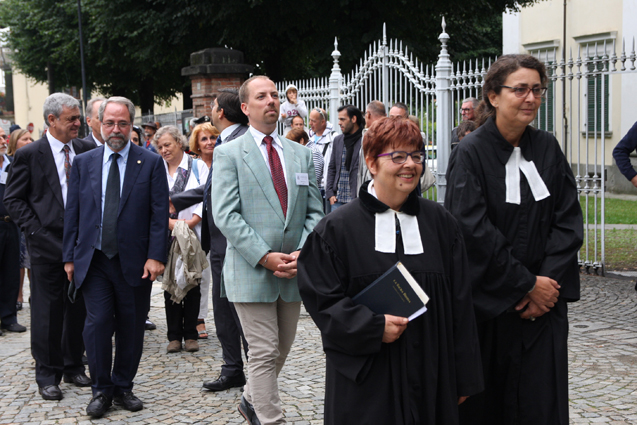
(235, 211)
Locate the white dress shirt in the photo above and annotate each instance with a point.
(57, 148)
(258, 138)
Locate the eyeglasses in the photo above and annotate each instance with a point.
(524, 91)
(400, 157)
(123, 125)
(465, 110)
(320, 112)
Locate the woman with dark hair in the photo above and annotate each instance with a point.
(136, 136)
(384, 369)
(515, 199)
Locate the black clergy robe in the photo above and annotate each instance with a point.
(508, 245)
(418, 378)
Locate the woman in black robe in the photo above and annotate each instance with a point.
(515, 198)
(382, 369)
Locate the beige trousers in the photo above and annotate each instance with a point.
(270, 329)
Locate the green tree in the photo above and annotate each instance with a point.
(137, 48)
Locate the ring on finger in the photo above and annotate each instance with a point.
(532, 319)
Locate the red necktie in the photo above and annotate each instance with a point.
(277, 174)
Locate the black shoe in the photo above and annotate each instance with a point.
(149, 326)
(50, 392)
(247, 411)
(98, 405)
(225, 383)
(80, 379)
(128, 401)
(14, 327)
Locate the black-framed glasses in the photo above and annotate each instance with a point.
(524, 91)
(123, 125)
(465, 110)
(400, 157)
(320, 112)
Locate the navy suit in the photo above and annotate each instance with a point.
(117, 298)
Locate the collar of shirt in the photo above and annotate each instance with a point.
(5, 163)
(183, 165)
(56, 145)
(108, 152)
(228, 131)
(385, 229)
(97, 142)
(258, 137)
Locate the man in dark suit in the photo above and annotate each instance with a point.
(35, 197)
(93, 121)
(115, 245)
(342, 172)
(231, 122)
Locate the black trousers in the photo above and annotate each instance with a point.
(227, 324)
(56, 325)
(181, 318)
(525, 371)
(113, 307)
(9, 271)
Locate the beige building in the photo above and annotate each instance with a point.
(598, 94)
(29, 97)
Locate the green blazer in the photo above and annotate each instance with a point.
(246, 209)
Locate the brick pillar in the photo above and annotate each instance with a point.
(211, 70)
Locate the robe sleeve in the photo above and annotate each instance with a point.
(499, 280)
(351, 333)
(566, 234)
(468, 362)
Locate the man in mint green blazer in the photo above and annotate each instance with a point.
(265, 201)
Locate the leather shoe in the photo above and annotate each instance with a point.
(50, 392)
(247, 411)
(80, 380)
(225, 382)
(128, 401)
(149, 326)
(14, 327)
(98, 405)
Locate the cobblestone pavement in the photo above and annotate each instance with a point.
(603, 357)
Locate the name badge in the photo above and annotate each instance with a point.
(302, 179)
(3, 177)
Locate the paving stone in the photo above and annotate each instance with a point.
(602, 371)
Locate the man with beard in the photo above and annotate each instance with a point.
(342, 173)
(35, 198)
(115, 245)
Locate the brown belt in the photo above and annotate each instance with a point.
(5, 218)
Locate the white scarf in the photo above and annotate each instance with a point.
(386, 230)
(513, 166)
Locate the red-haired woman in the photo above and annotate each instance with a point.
(383, 369)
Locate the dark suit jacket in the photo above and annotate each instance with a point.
(334, 169)
(142, 224)
(33, 198)
(211, 237)
(90, 139)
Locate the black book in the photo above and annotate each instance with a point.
(396, 292)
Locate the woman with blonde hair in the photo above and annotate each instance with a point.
(202, 142)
